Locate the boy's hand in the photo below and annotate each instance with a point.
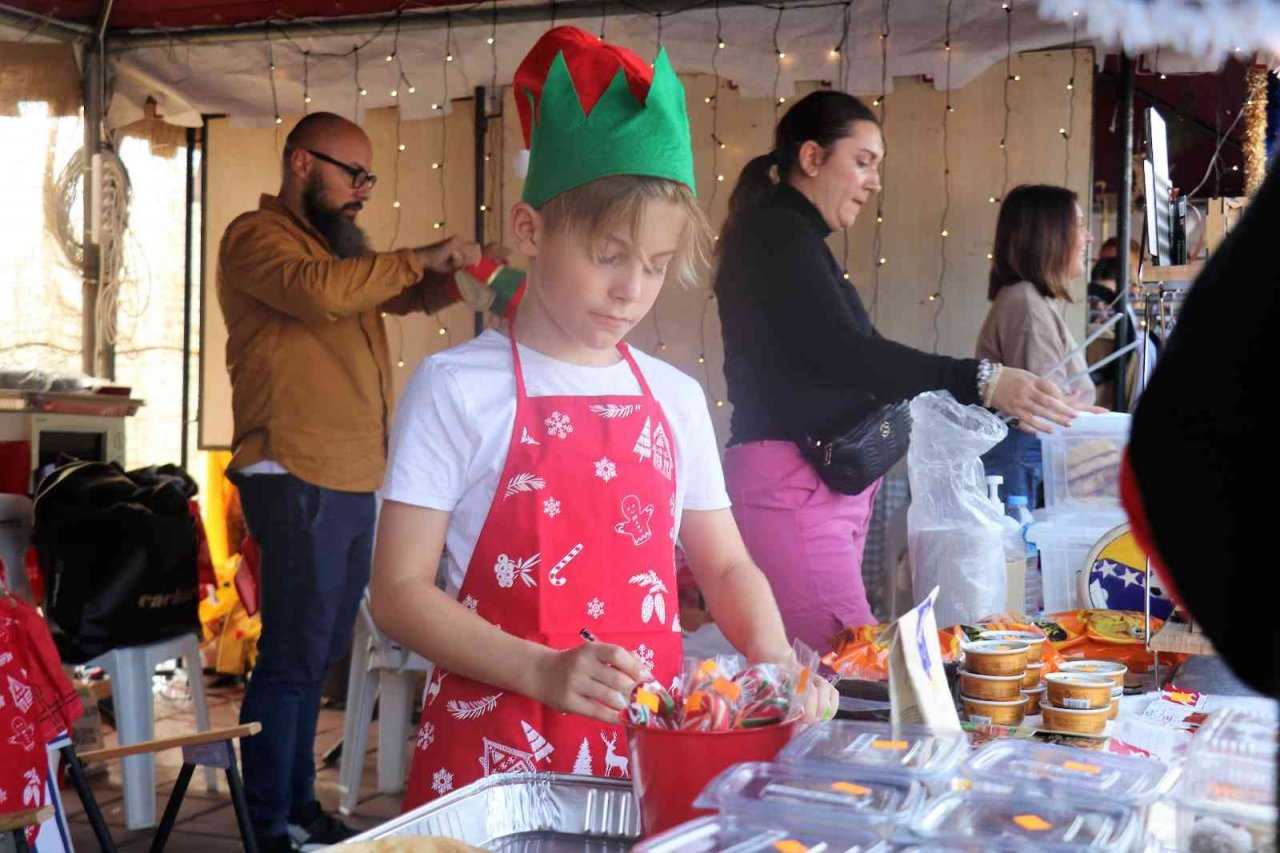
(594, 680)
(821, 701)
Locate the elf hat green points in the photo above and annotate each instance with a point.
(591, 110)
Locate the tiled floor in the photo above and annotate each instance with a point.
(207, 823)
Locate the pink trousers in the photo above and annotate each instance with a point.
(806, 538)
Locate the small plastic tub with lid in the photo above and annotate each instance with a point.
(986, 712)
(1033, 676)
(802, 795)
(909, 751)
(1101, 668)
(1076, 722)
(1033, 696)
(1018, 822)
(1078, 692)
(1016, 766)
(728, 832)
(1033, 639)
(996, 657)
(996, 687)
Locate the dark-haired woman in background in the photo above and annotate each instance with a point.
(1040, 246)
(803, 360)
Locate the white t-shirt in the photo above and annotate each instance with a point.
(453, 428)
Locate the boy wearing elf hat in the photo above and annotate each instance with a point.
(556, 466)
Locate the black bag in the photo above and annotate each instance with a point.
(850, 463)
(118, 553)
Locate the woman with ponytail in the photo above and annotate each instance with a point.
(804, 362)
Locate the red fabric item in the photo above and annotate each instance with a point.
(15, 467)
(581, 533)
(37, 703)
(34, 578)
(247, 576)
(204, 561)
(592, 64)
(1131, 498)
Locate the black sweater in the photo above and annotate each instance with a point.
(801, 356)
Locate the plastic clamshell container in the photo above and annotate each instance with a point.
(1228, 787)
(847, 746)
(1001, 822)
(801, 795)
(1082, 462)
(1016, 765)
(726, 832)
(1065, 540)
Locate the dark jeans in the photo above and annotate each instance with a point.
(317, 546)
(1018, 460)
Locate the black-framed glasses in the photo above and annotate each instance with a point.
(359, 177)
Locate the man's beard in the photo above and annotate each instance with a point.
(346, 239)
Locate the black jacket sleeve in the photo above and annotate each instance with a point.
(818, 315)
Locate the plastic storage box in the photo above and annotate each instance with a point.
(1227, 797)
(1017, 766)
(1064, 541)
(1029, 821)
(759, 835)
(801, 795)
(911, 753)
(1082, 463)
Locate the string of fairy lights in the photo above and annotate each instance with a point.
(841, 55)
(937, 298)
(491, 208)
(881, 102)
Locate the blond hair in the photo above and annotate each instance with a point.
(593, 211)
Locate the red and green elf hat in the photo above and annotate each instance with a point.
(590, 110)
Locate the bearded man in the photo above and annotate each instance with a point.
(303, 297)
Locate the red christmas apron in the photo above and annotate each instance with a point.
(581, 533)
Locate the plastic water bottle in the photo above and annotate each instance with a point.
(1019, 509)
(1015, 563)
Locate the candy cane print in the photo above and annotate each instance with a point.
(553, 577)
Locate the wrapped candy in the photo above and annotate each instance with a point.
(723, 694)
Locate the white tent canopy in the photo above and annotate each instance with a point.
(189, 75)
(1201, 28)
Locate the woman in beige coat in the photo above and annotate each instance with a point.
(1040, 247)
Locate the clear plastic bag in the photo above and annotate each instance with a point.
(955, 535)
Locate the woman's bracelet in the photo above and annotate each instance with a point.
(988, 376)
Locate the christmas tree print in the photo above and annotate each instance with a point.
(582, 764)
(663, 459)
(542, 749)
(644, 444)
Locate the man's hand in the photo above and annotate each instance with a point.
(449, 255)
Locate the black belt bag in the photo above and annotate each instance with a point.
(850, 463)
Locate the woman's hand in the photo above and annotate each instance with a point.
(1031, 400)
(594, 680)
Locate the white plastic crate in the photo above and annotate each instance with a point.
(1064, 540)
